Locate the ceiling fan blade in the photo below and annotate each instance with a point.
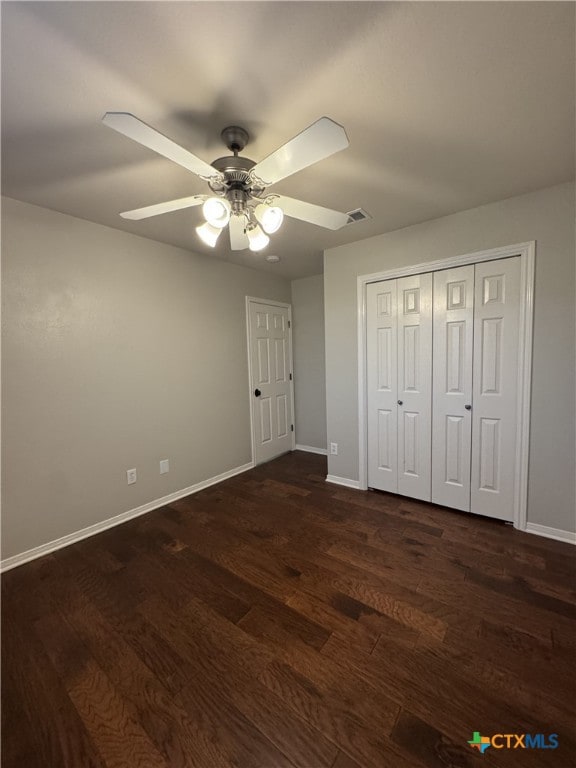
(320, 140)
(313, 214)
(135, 129)
(238, 237)
(170, 205)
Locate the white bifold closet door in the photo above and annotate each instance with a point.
(399, 377)
(382, 385)
(475, 375)
(442, 385)
(452, 386)
(495, 388)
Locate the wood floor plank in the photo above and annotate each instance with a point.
(485, 600)
(213, 677)
(111, 723)
(278, 620)
(446, 695)
(284, 624)
(552, 674)
(345, 761)
(329, 616)
(333, 716)
(41, 726)
(166, 722)
(429, 746)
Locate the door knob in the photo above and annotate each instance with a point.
(257, 392)
(468, 407)
(400, 402)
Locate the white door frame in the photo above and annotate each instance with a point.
(254, 300)
(527, 253)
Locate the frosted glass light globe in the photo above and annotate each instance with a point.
(216, 211)
(256, 238)
(270, 217)
(208, 233)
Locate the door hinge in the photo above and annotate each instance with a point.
(289, 324)
(291, 427)
(290, 377)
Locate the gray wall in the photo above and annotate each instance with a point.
(118, 352)
(546, 216)
(309, 364)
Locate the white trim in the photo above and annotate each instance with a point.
(291, 357)
(284, 305)
(524, 383)
(526, 252)
(248, 352)
(551, 533)
(455, 261)
(311, 449)
(111, 522)
(362, 384)
(346, 482)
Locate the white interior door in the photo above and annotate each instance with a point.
(494, 426)
(270, 369)
(381, 376)
(452, 386)
(414, 389)
(399, 380)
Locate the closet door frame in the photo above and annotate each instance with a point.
(526, 252)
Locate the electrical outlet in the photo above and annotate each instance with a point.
(131, 476)
(164, 466)
(334, 449)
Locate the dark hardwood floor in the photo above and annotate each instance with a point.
(275, 620)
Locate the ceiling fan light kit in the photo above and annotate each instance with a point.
(208, 233)
(257, 239)
(270, 217)
(217, 211)
(239, 185)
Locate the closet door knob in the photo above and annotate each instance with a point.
(400, 402)
(468, 407)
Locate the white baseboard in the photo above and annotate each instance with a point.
(311, 449)
(551, 533)
(343, 481)
(92, 530)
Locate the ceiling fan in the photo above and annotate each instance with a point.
(240, 196)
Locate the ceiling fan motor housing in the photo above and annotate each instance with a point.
(237, 186)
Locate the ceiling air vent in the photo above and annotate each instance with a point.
(359, 214)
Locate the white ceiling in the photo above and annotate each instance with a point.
(447, 106)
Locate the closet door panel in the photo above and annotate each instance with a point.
(452, 386)
(414, 301)
(496, 324)
(381, 377)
